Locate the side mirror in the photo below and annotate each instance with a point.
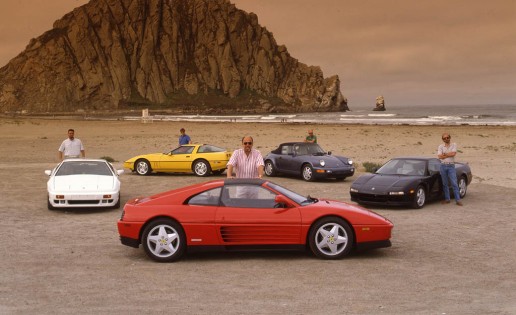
(120, 172)
(329, 152)
(48, 172)
(280, 199)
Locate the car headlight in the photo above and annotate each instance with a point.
(353, 190)
(396, 193)
(350, 162)
(322, 162)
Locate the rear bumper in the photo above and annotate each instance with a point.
(131, 242)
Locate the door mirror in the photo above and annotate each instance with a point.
(48, 172)
(281, 202)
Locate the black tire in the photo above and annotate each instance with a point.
(201, 168)
(419, 198)
(49, 205)
(218, 172)
(331, 238)
(463, 187)
(307, 172)
(269, 168)
(340, 178)
(117, 204)
(164, 240)
(142, 167)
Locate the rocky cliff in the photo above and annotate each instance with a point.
(190, 55)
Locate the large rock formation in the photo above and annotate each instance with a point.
(380, 104)
(189, 55)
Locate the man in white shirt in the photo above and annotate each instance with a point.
(247, 162)
(71, 147)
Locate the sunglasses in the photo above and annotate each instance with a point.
(248, 143)
(446, 138)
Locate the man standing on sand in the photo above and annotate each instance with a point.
(311, 138)
(446, 153)
(248, 162)
(184, 138)
(71, 147)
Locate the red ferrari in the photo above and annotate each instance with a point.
(247, 214)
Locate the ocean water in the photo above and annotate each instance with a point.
(494, 115)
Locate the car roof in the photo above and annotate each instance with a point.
(292, 143)
(240, 181)
(422, 158)
(83, 160)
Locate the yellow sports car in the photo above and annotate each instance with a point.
(202, 159)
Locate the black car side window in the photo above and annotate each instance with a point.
(434, 167)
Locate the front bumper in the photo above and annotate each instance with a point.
(321, 172)
(96, 200)
(381, 199)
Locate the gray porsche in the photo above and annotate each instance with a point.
(307, 160)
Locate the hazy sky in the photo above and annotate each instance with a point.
(435, 52)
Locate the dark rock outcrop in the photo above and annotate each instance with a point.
(380, 104)
(189, 55)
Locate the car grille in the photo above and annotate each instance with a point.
(372, 198)
(83, 202)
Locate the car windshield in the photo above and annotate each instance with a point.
(84, 168)
(315, 149)
(297, 198)
(403, 167)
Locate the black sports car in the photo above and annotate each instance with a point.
(406, 181)
(308, 160)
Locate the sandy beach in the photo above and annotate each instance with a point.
(444, 259)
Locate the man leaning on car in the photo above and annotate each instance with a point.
(71, 147)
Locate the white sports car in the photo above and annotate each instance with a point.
(85, 183)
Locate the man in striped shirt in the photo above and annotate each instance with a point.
(247, 162)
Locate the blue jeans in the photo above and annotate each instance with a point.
(448, 173)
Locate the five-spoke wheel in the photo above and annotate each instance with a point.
(331, 238)
(142, 167)
(419, 198)
(164, 240)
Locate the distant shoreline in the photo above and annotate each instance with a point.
(337, 118)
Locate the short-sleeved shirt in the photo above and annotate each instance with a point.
(184, 139)
(447, 149)
(71, 147)
(312, 138)
(246, 166)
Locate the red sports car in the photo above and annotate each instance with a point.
(246, 214)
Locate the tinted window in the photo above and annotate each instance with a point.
(83, 167)
(403, 167)
(247, 196)
(207, 198)
(286, 149)
(209, 148)
(183, 150)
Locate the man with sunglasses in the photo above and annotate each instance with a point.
(446, 153)
(247, 162)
